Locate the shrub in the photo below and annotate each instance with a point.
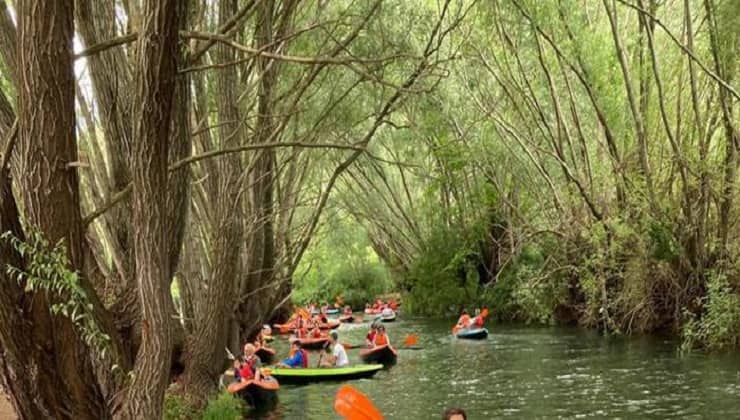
(719, 326)
(224, 407)
(178, 408)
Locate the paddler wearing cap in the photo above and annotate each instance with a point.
(338, 356)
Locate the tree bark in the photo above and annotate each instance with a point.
(204, 351)
(261, 242)
(47, 145)
(156, 68)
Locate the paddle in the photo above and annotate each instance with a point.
(354, 405)
(409, 343)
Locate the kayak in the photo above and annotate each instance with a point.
(283, 328)
(330, 325)
(382, 354)
(347, 318)
(473, 334)
(388, 318)
(307, 375)
(330, 311)
(288, 328)
(259, 394)
(266, 355)
(313, 343)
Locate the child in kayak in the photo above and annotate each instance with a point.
(299, 358)
(370, 337)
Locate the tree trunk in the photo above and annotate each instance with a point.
(204, 352)
(47, 146)
(156, 69)
(261, 255)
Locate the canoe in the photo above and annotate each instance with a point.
(259, 394)
(308, 375)
(384, 355)
(388, 318)
(347, 318)
(473, 334)
(314, 343)
(266, 355)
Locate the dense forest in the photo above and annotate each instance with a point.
(175, 173)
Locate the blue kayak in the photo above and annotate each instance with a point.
(473, 334)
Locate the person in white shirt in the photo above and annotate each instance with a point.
(338, 358)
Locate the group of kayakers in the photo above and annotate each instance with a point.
(379, 306)
(334, 354)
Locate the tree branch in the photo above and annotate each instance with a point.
(117, 197)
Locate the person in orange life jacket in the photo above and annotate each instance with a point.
(370, 337)
(381, 339)
(464, 320)
(316, 332)
(298, 359)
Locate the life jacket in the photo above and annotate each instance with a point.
(371, 336)
(464, 320)
(246, 372)
(304, 353)
(478, 321)
(316, 333)
(252, 362)
(381, 340)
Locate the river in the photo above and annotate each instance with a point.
(531, 372)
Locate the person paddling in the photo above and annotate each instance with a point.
(338, 357)
(299, 359)
(463, 322)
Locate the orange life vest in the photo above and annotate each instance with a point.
(381, 340)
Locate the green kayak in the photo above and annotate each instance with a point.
(307, 375)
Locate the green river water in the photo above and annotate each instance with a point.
(529, 372)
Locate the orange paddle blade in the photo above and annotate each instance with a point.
(354, 405)
(484, 313)
(411, 340)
